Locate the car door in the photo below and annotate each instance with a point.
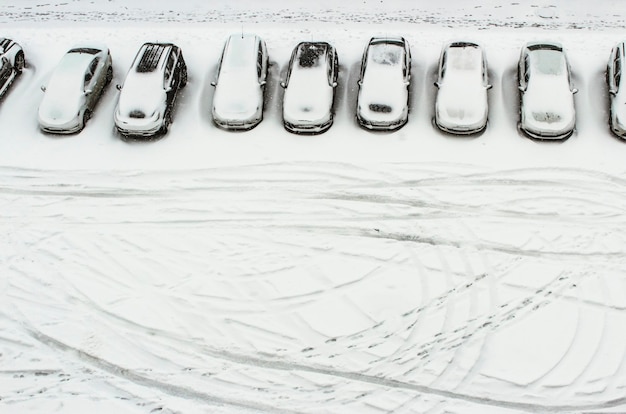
(5, 74)
(169, 78)
(261, 63)
(617, 73)
(90, 86)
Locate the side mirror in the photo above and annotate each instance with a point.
(283, 84)
(574, 90)
(360, 82)
(613, 92)
(43, 88)
(213, 83)
(262, 83)
(118, 87)
(334, 84)
(521, 88)
(489, 86)
(168, 89)
(88, 91)
(436, 84)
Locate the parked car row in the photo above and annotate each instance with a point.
(158, 72)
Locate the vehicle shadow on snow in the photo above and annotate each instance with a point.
(273, 94)
(597, 94)
(352, 91)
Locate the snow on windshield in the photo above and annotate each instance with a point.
(548, 62)
(464, 58)
(385, 54)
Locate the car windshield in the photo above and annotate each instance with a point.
(464, 58)
(385, 54)
(309, 56)
(548, 62)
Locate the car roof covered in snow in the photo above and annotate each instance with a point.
(240, 51)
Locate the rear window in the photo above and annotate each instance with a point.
(548, 62)
(310, 56)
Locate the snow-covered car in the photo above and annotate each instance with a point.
(310, 88)
(150, 89)
(461, 105)
(383, 98)
(74, 89)
(546, 93)
(614, 75)
(240, 84)
(12, 63)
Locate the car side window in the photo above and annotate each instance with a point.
(169, 69)
(259, 60)
(526, 69)
(617, 70)
(330, 63)
(442, 69)
(91, 71)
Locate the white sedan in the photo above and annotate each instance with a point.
(383, 99)
(546, 94)
(310, 88)
(461, 105)
(74, 89)
(614, 74)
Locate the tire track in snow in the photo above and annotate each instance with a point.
(300, 221)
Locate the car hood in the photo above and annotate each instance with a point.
(57, 107)
(237, 97)
(548, 105)
(308, 98)
(461, 103)
(383, 96)
(142, 95)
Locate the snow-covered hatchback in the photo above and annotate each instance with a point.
(615, 73)
(240, 86)
(12, 63)
(310, 88)
(150, 89)
(74, 89)
(461, 105)
(383, 99)
(546, 92)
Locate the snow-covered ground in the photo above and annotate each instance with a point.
(220, 272)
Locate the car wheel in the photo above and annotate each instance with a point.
(109, 76)
(86, 116)
(19, 62)
(167, 120)
(183, 78)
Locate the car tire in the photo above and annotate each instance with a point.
(19, 62)
(109, 76)
(167, 120)
(86, 117)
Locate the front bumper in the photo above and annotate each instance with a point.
(139, 127)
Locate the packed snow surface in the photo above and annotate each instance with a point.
(356, 272)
